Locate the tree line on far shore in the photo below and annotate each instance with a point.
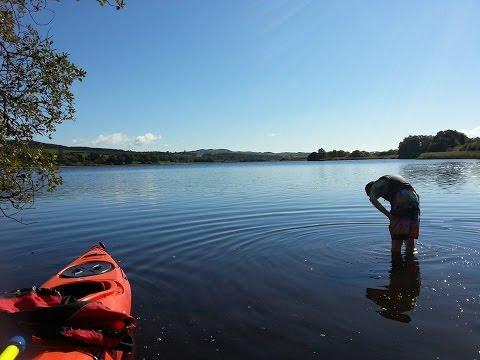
(445, 142)
(66, 157)
(448, 142)
(321, 154)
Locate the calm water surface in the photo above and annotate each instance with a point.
(269, 260)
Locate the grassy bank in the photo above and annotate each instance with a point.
(451, 155)
(358, 158)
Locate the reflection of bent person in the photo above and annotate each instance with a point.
(401, 294)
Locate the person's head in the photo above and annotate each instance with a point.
(368, 187)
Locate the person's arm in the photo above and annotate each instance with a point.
(380, 207)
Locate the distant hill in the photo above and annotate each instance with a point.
(81, 155)
(202, 152)
(212, 151)
(74, 148)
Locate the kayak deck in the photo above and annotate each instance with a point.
(94, 276)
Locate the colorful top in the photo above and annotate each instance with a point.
(404, 199)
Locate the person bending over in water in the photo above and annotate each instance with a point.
(404, 212)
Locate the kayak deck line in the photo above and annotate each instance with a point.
(92, 277)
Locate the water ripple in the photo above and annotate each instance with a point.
(269, 260)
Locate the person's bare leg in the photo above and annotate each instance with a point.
(410, 246)
(396, 246)
(397, 254)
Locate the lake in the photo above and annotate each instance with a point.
(269, 260)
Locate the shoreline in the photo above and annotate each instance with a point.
(168, 163)
(450, 155)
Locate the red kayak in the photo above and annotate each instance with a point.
(93, 277)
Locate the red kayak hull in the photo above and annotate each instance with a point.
(112, 289)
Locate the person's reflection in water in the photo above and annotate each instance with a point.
(400, 296)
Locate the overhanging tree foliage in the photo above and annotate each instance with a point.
(35, 96)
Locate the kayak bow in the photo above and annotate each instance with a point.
(94, 276)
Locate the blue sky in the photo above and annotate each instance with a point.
(275, 75)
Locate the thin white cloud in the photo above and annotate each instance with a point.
(112, 139)
(146, 139)
(272, 134)
(475, 132)
(119, 139)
